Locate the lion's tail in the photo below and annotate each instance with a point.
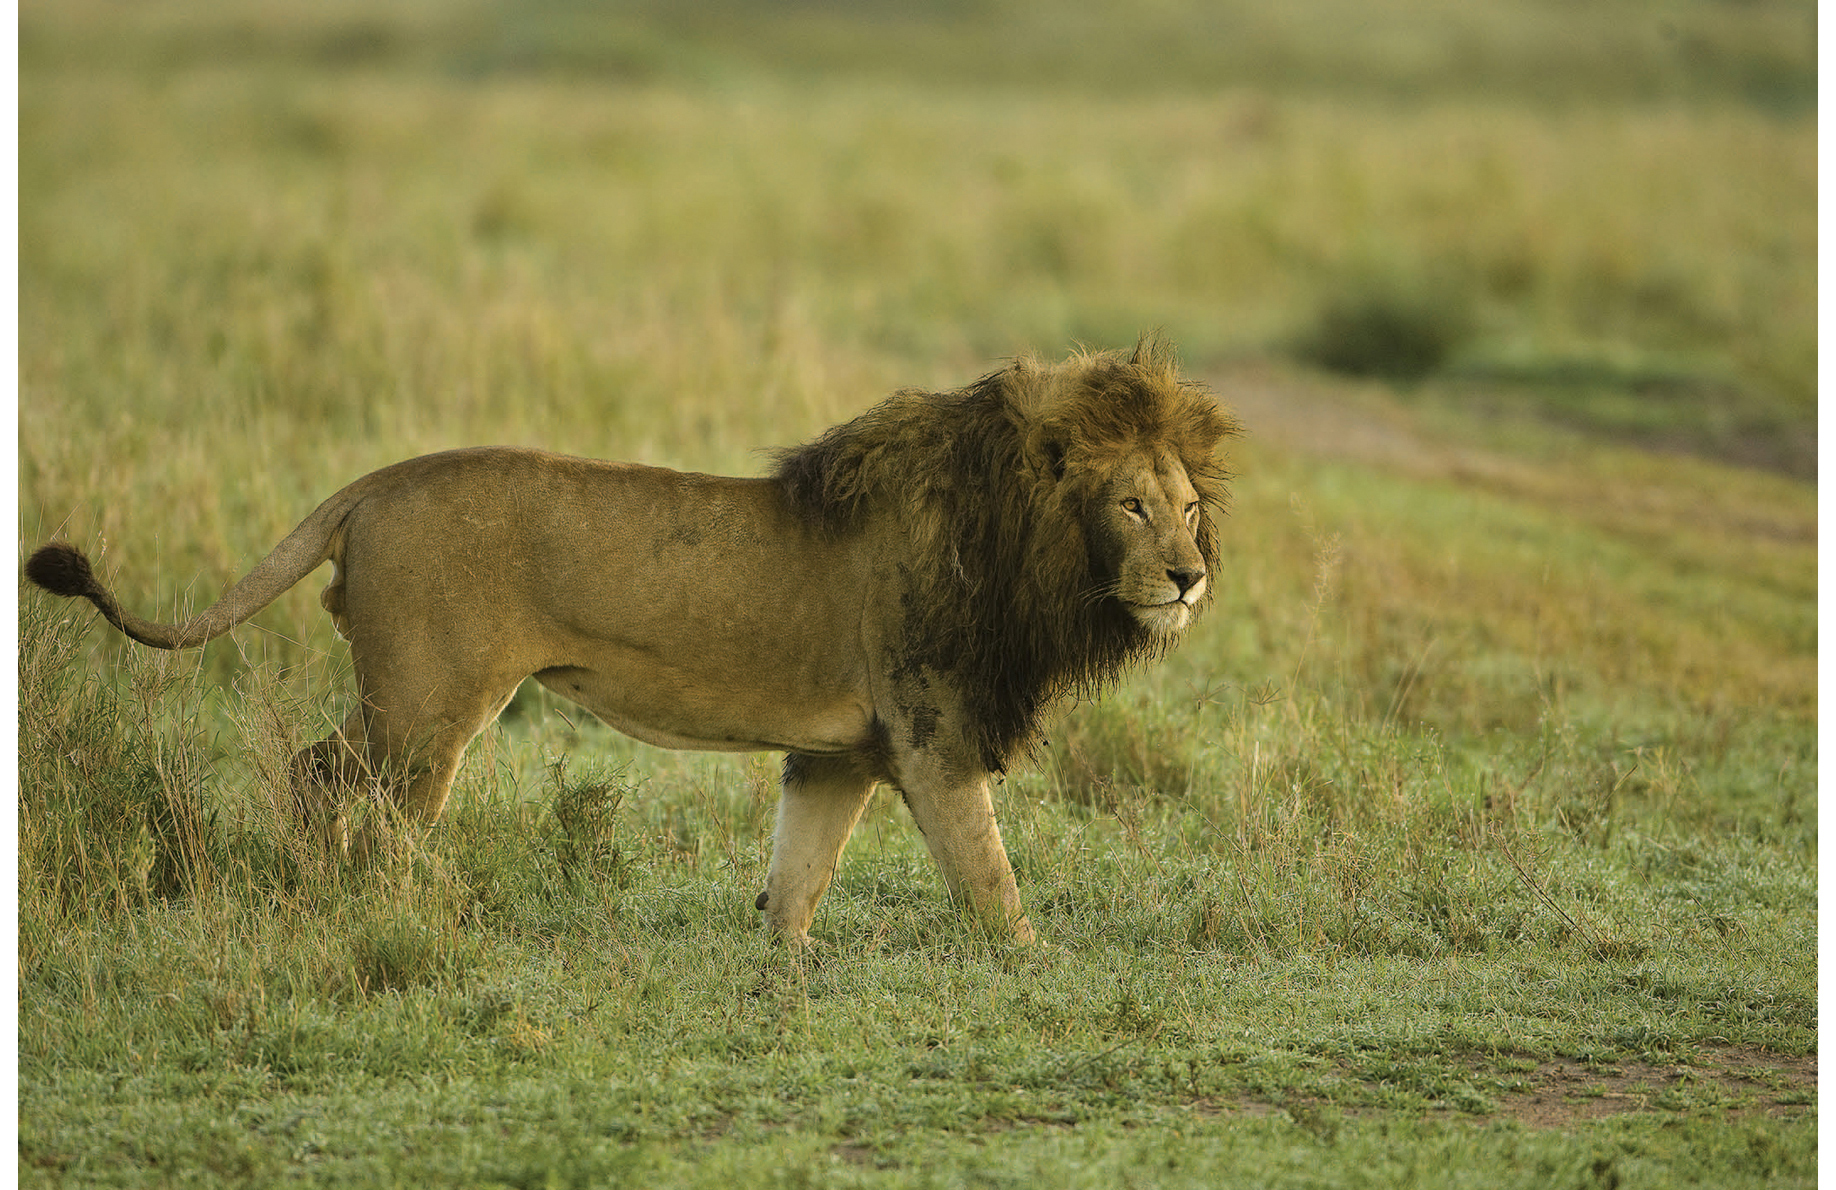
(62, 569)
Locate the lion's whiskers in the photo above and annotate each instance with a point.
(1091, 596)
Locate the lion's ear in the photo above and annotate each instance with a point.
(1046, 452)
(1055, 458)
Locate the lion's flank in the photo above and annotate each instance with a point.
(990, 486)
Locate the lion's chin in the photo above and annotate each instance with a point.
(1161, 619)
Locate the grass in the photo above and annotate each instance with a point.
(1316, 940)
(1471, 838)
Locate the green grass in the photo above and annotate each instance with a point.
(1470, 839)
(1307, 943)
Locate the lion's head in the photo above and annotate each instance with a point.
(1054, 523)
(1142, 529)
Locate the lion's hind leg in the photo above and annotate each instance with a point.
(395, 756)
(417, 741)
(327, 779)
(822, 800)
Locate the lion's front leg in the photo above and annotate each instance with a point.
(822, 800)
(958, 821)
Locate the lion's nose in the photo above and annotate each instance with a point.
(1185, 579)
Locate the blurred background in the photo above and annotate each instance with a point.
(1517, 298)
(1498, 747)
(506, 214)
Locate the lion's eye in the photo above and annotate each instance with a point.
(1132, 506)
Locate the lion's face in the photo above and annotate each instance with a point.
(1143, 527)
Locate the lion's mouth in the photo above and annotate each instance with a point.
(1162, 618)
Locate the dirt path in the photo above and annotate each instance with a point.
(1293, 415)
(1346, 420)
(1286, 412)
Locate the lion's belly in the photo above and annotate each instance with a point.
(674, 709)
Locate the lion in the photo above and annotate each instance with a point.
(902, 600)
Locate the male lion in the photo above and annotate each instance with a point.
(900, 601)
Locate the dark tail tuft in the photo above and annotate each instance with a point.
(61, 569)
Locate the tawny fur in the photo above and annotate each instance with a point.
(902, 601)
(994, 484)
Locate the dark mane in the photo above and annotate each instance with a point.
(991, 486)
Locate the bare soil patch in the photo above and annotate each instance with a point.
(1563, 1092)
(1735, 1082)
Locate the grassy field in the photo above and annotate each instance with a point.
(1471, 838)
